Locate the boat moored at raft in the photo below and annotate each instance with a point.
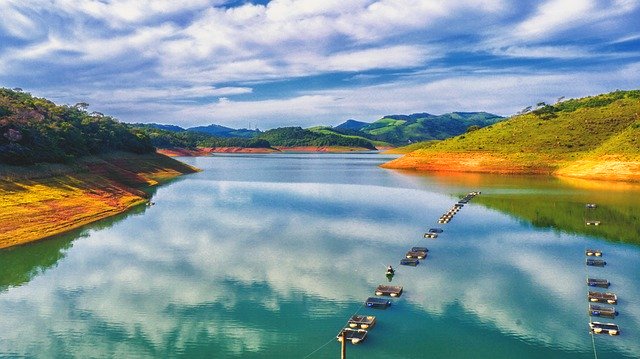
(595, 262)
(602, 311)
(377, 303)
(597, 282)
(409, 262)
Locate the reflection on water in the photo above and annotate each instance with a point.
(267, 256)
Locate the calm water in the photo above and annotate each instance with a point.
(267, 256)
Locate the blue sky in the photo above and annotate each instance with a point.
(308, 62)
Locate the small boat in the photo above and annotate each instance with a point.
(435, 230)
(416, 254)
(355, 336)
(602, 311)
(389, 290)
(591, 205)
(593, 252)
(377, 303)
(596, 262)
(409, 262)
(419, 249)
(362, 321)
(602, 328)
(597, 282)
(602, 297)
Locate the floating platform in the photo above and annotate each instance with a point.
(377, 303)
(604, 328)
(431, 235)
(591, 205)
(593, 223)
(444, 220)
(596, 262)
(362, 321)
(593, 252)
(602, 311)
(416, 255)
(355, 336)
(435, 230)
(602, 297)
(389, 290)
(597, 282)
(409, 262)
(419, 249)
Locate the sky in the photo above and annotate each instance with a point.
(267, 64)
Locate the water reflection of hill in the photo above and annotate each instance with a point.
(23, 263)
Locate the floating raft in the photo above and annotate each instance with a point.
(431, 235)
(389, 290)
(362, 321)
(593, 252)
(419, 249)
(597, 282)
(601, 311)
(604, 328)
(356, 336)
(416, 255)
(593, 223)
(596, 262)
(435, 230)
(591, 205)
(409, 262)
(601, 297)
(377, 303)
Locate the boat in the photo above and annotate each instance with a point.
(416, 254)
(419, 249)
(362, 321)
(596, 262)
(602, 297)
(604, 328)
(593, 252)
(355, 336)
(389, 290)
(409, 262)
(377, 303)
(435, 230)
(602, 311)
(597, 282)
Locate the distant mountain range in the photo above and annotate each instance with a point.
(391, 130)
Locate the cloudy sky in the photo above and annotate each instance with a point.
(307, 62)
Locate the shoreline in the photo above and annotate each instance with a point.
(47, 200)
(206, 151)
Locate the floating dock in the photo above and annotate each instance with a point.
(431, 235)
(595, 262)
(593, 223)
(593, 252)
(597, 282)
(591, 205)
(419, 249)
(416, 254)
(409, 262)
(377, 303)
(355, 336)
(604, 328)
(435, 230)
(389, 290)
(602, 311)
(602, 297)
(362, 321)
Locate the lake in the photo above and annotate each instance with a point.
(267, 256)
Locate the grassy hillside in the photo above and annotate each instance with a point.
(549, 139)
(326, 130)
(296, 137)
(405, 129)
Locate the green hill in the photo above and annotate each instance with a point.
(404, 129)
(352, 134)
(578, 137)
(35, 130)
(299, 137)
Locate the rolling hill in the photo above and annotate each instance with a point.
(593, 137)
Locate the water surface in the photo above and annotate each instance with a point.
(267, 256)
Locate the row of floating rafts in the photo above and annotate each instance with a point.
(597, 310)
(447, 216)
(590, 222)
(358, 326)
